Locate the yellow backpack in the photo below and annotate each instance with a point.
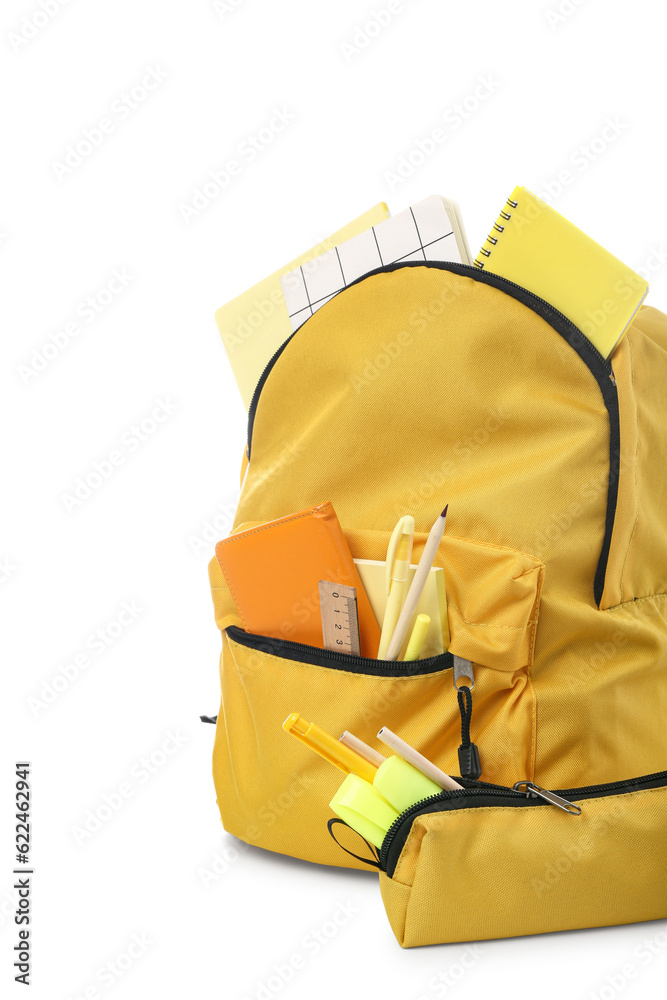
(426, 384)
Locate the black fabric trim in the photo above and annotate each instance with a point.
(599, 367)
(303, 653)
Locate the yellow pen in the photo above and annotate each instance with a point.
(326, 746)
(399, 554)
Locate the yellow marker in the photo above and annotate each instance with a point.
(371, 809)
(399, 554)
(329, 748)
(370, 798)
(363, 808)
(417, 638)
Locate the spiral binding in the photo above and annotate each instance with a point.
(494, 239)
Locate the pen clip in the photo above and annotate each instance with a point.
(406, 522)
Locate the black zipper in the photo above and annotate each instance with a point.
(304, 653)
(476, 794)
(599, 367)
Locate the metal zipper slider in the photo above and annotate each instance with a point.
(532, 791)
(463, 673)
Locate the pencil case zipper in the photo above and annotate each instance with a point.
(478, 794)
(599, 367)
(288, 650)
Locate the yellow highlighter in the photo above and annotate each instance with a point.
(416, 643)
(362, 807)
(370, 809)
(370, 798)
(399, 554)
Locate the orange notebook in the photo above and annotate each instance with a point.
(273, 573)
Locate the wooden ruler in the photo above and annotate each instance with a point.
(340, 621)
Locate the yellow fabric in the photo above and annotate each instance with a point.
(412, 389)
(489, 872)
(639, 530)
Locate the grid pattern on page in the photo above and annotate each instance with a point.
(422, 232)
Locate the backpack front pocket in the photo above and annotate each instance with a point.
(270, 791)
(491, 862)
(493, 601)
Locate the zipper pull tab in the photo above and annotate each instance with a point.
(532, 791)
(464, 681)
(463, 669)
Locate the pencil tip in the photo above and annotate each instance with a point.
(444, 513)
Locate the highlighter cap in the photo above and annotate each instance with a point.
(327, 747)
(362, 807)
(402, 785)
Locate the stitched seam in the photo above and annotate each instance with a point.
(269, 524)
(527, 572)
(233, 593)
(532, 760)
(636, 496)
(536, 612)
(522, 628)
(635, 600)
(492, 545)
(532, 757)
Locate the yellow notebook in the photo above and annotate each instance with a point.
(433, 602)
(537, 248)
(256, 323)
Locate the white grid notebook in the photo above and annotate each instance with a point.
(422, 232)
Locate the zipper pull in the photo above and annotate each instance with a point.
(532, 791)
(463, 669)
(464, 682)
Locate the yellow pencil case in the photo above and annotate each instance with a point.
(491, 862)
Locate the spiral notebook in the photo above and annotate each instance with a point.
(536, 247)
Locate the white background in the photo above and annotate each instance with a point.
(359, 104)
